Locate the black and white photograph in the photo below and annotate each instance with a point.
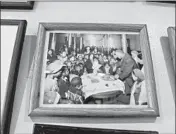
(87, 67)
(94, 68)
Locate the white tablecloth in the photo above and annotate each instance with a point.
(90, 88)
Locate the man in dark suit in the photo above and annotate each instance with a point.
(88, 64)
(126, 65)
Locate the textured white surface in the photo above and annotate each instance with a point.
(157, 17)
(7, 45)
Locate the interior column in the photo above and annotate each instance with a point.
(69, 40)
(81, 43)
(53, 44)
(124, 43)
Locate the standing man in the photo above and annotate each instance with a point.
(127, 64)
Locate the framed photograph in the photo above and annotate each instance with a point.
(53, 129)
(17, 5)
(86, 69)
(171, 35)
(12, 37)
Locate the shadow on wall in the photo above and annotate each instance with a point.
(168, 61)
(26, 61)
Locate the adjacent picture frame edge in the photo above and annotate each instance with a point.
(17, 52)
(29, 5)
(117, 131)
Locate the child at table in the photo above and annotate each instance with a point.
(77, 70)
(75, 92)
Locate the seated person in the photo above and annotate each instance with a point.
(75, 91)
(96, 66)
(95, 52)
(105, 59)
(138, 61)
(73, 53)
(69, 65)
(51, 89)
(77, 70)
(51, 56)
(113, 52)
(86, 57)
(88, 50)
(51, 97)
(72, 60)
(113, 66)
(62, 56)
(81, 68)
(63, 82)
(106, 68)
(100, 58)
(109, 57)
(80, 59)
(138, 93)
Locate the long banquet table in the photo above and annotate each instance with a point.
(101, 85)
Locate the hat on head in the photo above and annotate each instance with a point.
(54, 67)
(138, 73)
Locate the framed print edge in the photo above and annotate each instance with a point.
(33, 103)
(171, 36)
(17, 5)
(149, 70)
(41, 128)
(83, 111)
(13, 72)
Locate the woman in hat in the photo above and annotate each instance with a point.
(138, 93)
(51, 95)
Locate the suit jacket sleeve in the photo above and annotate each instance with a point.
(127, 68)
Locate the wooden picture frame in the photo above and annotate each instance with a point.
(35, 109)
(171, 36)
(164, 2)
(17, 5)
(53, 129)
(13, 71)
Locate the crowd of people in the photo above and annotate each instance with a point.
(63, 83)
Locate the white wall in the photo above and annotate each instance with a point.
(157, 17)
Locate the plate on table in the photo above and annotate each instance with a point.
(101, 74)
(94, 80)
(108, 78)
